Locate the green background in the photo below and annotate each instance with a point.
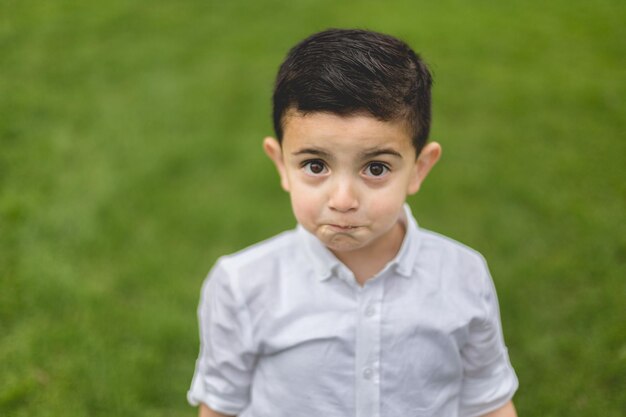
(130, 159)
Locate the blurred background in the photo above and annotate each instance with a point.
(130, 159)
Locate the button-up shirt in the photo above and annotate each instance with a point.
(286, 330)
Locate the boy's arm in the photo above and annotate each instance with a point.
(508, 410)
(223, 374)
(488, 377)
(207, 412)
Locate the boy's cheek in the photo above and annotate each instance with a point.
(304, 206)
(385, 208)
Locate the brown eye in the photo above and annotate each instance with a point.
(314, 167)
(376, 169)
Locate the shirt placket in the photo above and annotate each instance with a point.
(368, 349)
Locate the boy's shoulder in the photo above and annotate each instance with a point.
(433, 241)
(258, 271)
(444, 254)
(272, 250)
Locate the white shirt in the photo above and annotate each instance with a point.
(287, 331)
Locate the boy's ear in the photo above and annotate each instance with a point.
(425, 161)
(275, 153)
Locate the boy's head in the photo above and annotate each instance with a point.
(346, 72)
(352, 115)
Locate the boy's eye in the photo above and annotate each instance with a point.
(314, 167)
(376, 169)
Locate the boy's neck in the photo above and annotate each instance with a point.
(365, 263)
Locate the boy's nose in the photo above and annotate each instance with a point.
(343, 197)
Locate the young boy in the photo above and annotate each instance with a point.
(356, 312)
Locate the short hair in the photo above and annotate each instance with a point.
(349, 71)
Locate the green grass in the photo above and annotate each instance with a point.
(130, 159)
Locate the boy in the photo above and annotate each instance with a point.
(356, 312)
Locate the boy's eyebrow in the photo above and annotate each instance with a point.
(380, 151)
(312, 151)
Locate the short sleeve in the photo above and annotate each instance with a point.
(489, 380)
(225, 364)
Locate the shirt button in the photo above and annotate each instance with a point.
(370, 311)
(367, 373)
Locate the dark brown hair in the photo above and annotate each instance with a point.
(348, 71)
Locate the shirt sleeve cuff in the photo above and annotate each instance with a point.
(481, 396)
(198, 394)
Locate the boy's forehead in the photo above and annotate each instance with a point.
(359, 130)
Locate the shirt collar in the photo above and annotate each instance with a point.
(326, 264)
(405, 259)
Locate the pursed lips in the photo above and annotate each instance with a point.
(342, 227)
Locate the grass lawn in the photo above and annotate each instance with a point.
(130, 159)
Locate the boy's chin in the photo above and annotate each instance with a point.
(342, 243)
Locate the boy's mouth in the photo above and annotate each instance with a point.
(342, 227)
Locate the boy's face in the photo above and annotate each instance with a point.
(349, 176)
